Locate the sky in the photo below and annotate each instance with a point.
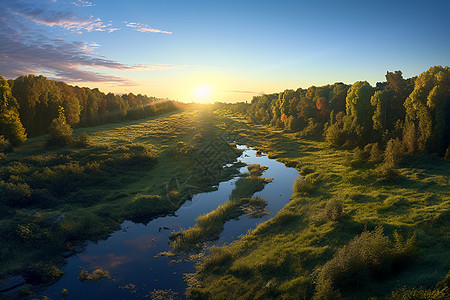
(229, 51)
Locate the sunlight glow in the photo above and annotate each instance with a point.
(203, 92)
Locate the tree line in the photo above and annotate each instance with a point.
(29, 104)
(411, 115)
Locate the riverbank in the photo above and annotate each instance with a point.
(287, 256)
(141, 261)
(57, 198)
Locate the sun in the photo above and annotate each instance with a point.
(203, 92)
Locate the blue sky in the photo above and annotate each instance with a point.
(233, 50)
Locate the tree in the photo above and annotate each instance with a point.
(60, 133)
(38, 98)
(70, 103)
(379, 117)
(323, 110)
(359, 110)
(428, 110)
(10, 125)
(358, 104)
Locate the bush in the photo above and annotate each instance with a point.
(59, 132)
(335, 135)
(376, 154)
(5, 145)
(305, 170)
(393, 155)
(386, 172)
(312, 129)
(334, 210)
(368, 256)
(305, 185)
(82, 140)
(371, 153)
(41, 273)
(440, 292)
(359, 157)
(18, 194)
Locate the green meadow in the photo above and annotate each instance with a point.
(56, 198)
(344, 234)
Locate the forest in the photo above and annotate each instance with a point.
(368, 217)
(30, 103)
(412, 114)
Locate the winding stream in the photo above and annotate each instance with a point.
(129, 254)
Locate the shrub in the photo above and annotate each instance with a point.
(312, 129)
(305, 170)
(335, 135)
(359, 157)
(334, 210)
(59, 132)
(17, 194)
(368, 256)
(40, 273)
(376, 154)
(394, 153)
(386, 172)
(305, 185)
(5, 145)
(440, 292)
(82, 140)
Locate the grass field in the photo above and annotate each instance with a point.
(397, 232)
(210, 225)
(56, 198)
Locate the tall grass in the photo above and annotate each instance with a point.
(416, 200)
(210, 225)
(118, 171)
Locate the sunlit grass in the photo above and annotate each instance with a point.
(128, 171)
(282, 256)
(210, 225)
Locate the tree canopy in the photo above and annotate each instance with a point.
(10, 125)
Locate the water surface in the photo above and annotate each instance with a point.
(130, 254)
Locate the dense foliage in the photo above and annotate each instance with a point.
(10, 125)
(35, 101)
(414, 111)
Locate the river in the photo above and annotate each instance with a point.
(130, 254)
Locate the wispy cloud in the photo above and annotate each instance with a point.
(66, 20)
(244, 92)
(26, 48)
(94, 45)
(82, 3)
(145, 28)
